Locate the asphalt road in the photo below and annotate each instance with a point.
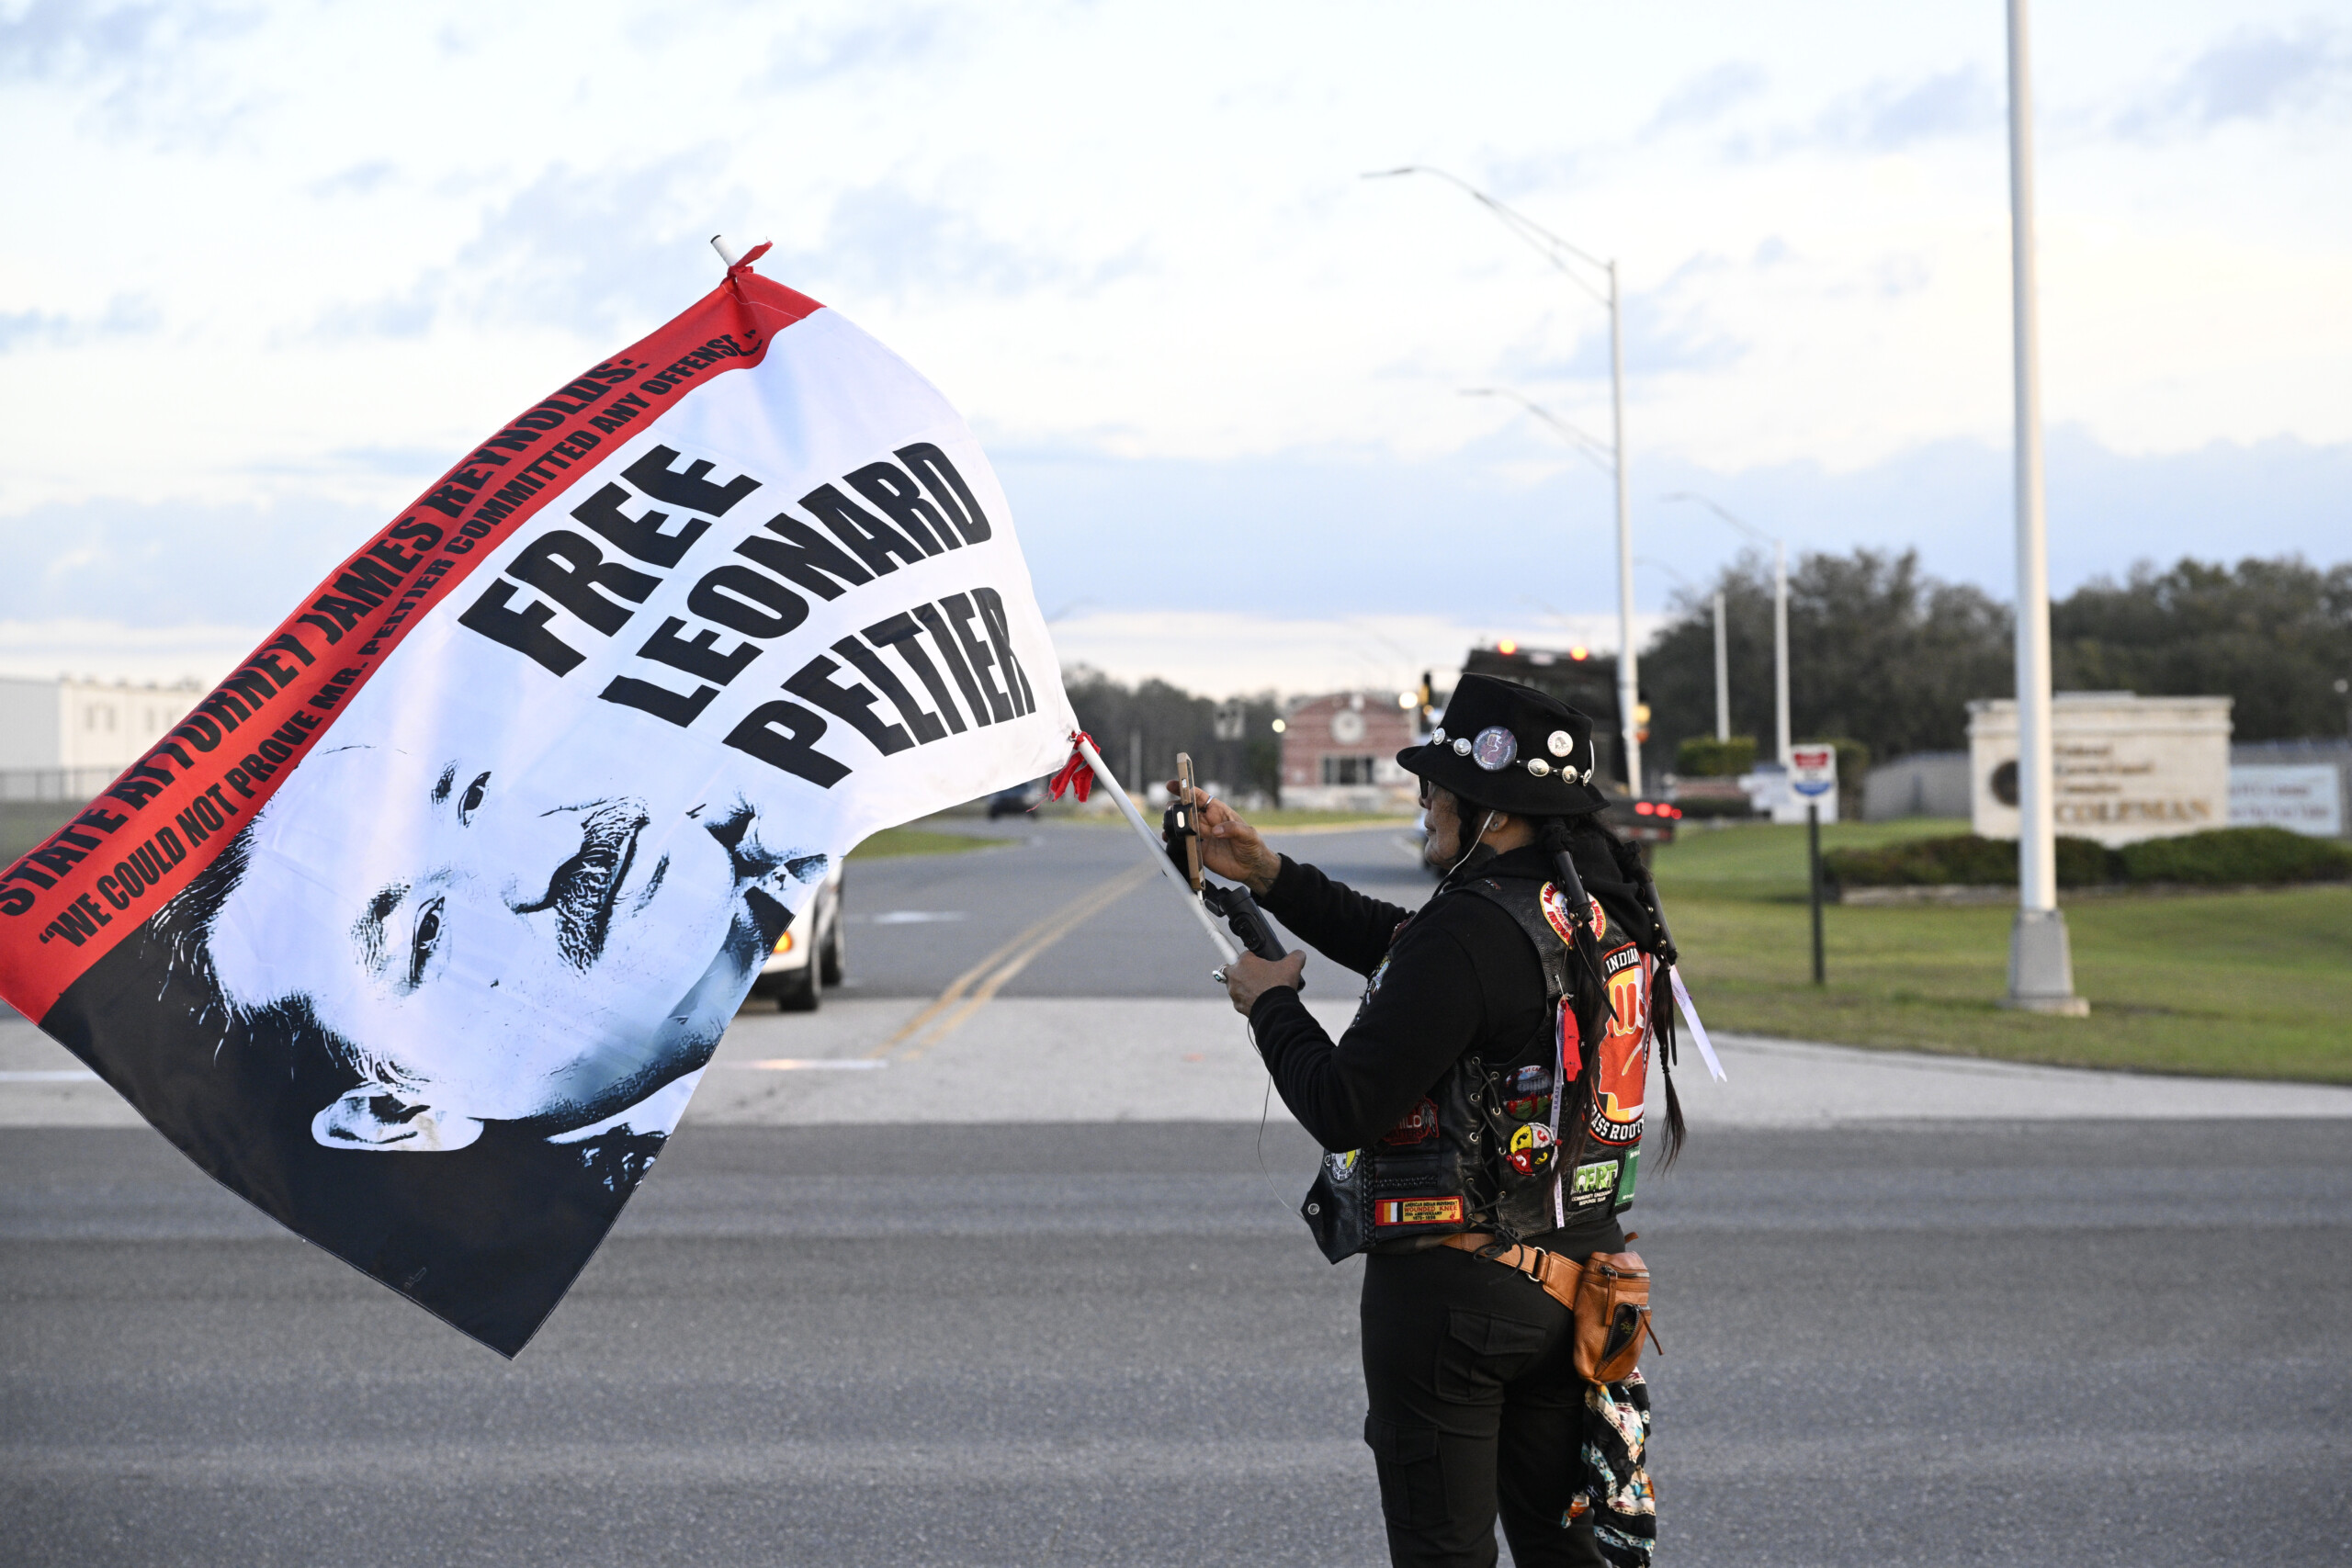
(1002, 1340)
(917, 921)
(2091, 1343)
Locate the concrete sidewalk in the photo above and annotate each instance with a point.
(1158, 1059)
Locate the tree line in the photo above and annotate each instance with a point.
(1883, 653)
(1159, 720)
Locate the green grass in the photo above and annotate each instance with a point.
(2252, 985)
(921, 840)
(1757, 860)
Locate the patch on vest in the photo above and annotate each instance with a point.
(1624, 1066)
(1555, 915)
(1592, 1184)
(1419, 1126)
(1342, 1167)
(1533, 1149)
(1416, 1211)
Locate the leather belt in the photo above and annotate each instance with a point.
(1559, 1276)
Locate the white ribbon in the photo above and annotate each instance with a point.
(1697, 1030)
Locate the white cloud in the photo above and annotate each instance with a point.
(283, 261)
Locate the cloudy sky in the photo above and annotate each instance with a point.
(269, 266)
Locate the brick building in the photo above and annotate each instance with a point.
(1339, 753)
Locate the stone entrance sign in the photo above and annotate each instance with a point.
(2127, 767)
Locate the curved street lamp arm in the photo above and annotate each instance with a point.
(1596, 451)
(1553, 248)
(1753, 532)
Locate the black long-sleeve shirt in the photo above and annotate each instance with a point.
(1461, 974)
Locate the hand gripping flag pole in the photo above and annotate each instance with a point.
(1078, 776)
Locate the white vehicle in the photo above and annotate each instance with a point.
(809, 956)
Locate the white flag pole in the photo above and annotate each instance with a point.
(1153, 847)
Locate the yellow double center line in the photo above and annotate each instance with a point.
(973, 989)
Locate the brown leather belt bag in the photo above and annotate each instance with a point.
(1608, 1293)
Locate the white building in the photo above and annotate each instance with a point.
(89, 729)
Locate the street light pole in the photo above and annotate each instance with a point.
(1780, 627)
(1628, 684)
(1559, 253)
(2041, 969)
(1781, 648)
(1722, 675)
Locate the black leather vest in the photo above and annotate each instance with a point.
(1546, 1137)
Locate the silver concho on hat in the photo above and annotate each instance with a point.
(1437, 736)
(1538, 766)
(1462, 747)
(1495, 750)
(1560, 743)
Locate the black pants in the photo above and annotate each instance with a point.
(1475, 1402)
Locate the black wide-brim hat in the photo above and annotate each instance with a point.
(1510, 748)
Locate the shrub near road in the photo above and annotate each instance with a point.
(2253, 985)
(2223, 857)
(2233, 855)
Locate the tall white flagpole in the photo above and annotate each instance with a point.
(2041, 969)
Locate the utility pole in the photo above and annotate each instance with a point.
(1722, 675)
(2042, 965)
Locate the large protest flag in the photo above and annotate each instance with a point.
(419, 929)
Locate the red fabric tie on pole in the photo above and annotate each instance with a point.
(1076, 775)
(742, 268)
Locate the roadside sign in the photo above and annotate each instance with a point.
(2301, 797)
(1812, 771)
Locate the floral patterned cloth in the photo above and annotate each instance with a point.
(1619, 1498)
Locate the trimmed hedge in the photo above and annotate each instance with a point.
(2220, 857)
(1965, 859)
(1704, 756)
(2227, 855)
